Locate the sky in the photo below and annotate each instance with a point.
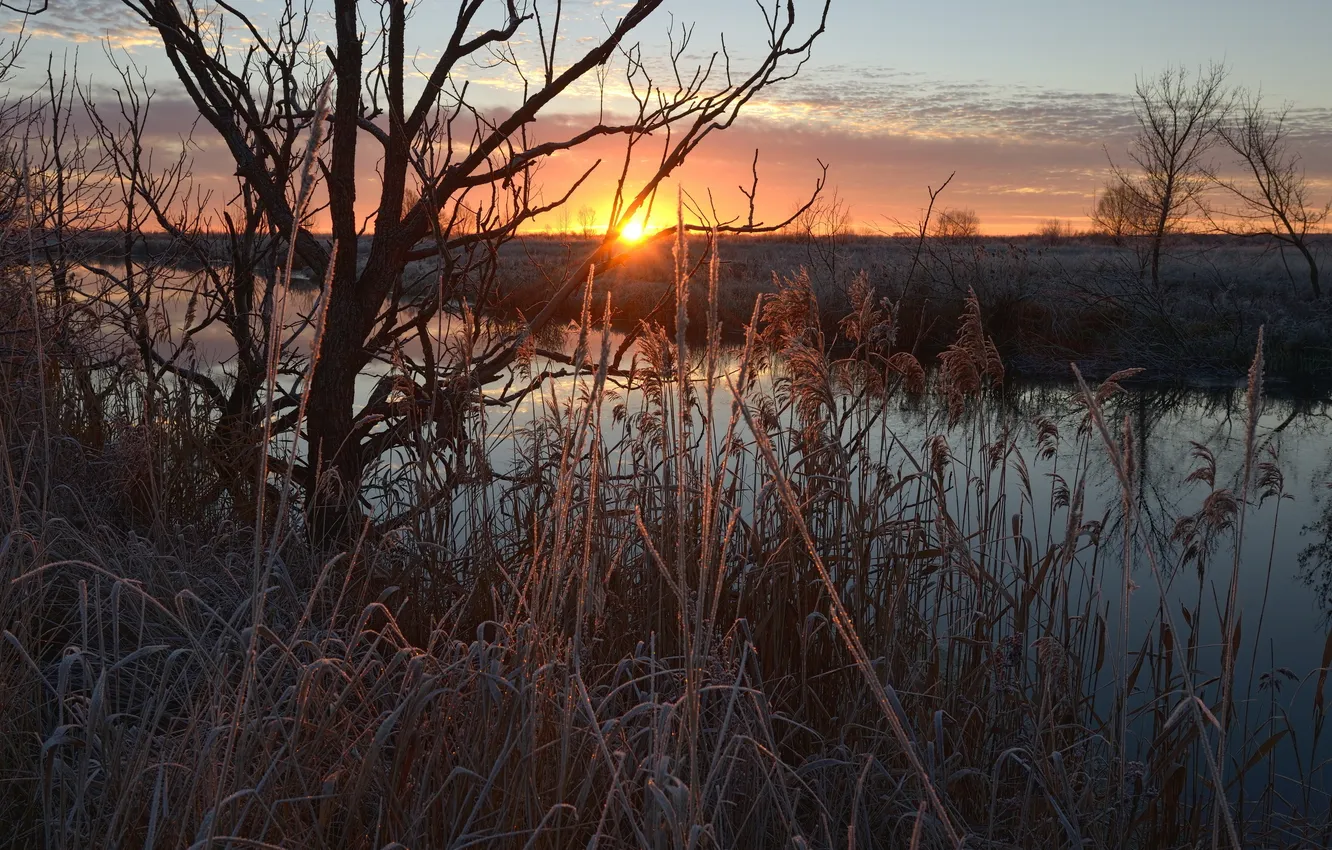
(1026, 101)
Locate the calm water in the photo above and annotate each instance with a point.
(1296, 433)
(1285, 576)
(1285, 561)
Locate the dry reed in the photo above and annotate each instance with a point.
(652, 626)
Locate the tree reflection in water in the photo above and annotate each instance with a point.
(1315, 559)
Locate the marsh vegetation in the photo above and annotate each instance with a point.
(447, 533)
(756, 595)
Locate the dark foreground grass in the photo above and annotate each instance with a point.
(772, 625)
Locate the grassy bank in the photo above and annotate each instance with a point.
(771, 625)
(1044, 301)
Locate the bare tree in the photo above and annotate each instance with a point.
(957, 223)
(70, 195)
(14, 208)
(1178, 115)
(168, 244)
(587, 219)
(562, 220)
(824, 227)
(1274, 197)
(918, 231)
(472, 169)
(1052, 231)
(1122, 211)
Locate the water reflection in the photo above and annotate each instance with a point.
(1167, 422)
(1315, 559)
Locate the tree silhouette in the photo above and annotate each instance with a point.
(1274, 196)
(454, 182)
(1178, 117)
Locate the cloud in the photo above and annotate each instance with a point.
(1016, 161)
(1012, 176)
(880, 100)
(1020, 155)
(84, 21)
(885, 100)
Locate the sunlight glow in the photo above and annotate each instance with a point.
(632, 232)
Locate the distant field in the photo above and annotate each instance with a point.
(1044, 302)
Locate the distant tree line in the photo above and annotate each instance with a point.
(1209, 157)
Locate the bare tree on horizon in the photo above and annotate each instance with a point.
(956, 223)
(1121, 210)
(1178, 115)
(1274, 195)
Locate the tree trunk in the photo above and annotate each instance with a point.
(333, 485)
(1156, 261)
(1158, 236)
(1313, 269)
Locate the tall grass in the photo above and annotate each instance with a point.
(716, 600)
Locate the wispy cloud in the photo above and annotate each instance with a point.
(84, 21)
(1013, 176)
(881, 100)
(1021, 154)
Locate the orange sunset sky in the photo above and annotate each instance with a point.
(1023, 100)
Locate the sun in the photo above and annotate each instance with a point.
(632, 232)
